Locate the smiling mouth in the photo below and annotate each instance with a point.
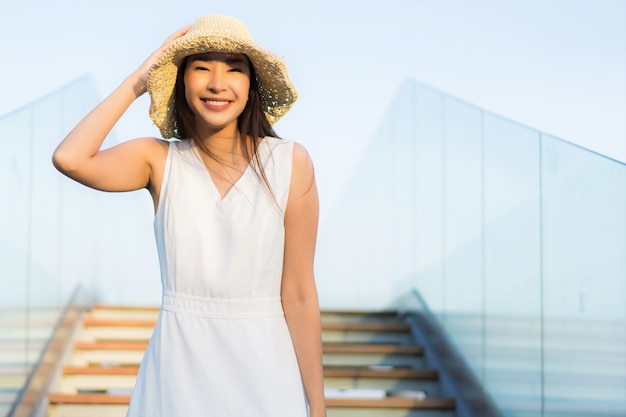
(215, 102)
(216, 105)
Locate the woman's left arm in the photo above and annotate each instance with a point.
(298, 292)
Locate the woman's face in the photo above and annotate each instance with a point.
(216, 88)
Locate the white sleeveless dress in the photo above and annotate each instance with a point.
(221, 346)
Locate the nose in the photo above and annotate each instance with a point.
(216, 81)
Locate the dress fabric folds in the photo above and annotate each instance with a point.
(221, 346)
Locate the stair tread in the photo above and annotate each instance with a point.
(326, 347)
(347, 372)
(392, 402)
(59, 398)
(334, 325)
(105, 306)
(399, 373)
(388, 402)
(80, 345)
(371, 348)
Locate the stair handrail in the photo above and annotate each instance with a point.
(32, 397)
(456, 377)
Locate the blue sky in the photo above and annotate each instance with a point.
(556, 65)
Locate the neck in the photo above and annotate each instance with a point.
(223, 143)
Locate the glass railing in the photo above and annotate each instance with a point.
(516, 240)
(32, 256)
(56, 234)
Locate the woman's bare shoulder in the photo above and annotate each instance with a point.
(302, 171)
(301, 159)
(150, 144)
(154, 150)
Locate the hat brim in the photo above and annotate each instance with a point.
(276, 90)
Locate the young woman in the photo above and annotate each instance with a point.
(236, 212)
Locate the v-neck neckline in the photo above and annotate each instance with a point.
(238, 184)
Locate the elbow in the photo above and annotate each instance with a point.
(63, 162)
(302, 299)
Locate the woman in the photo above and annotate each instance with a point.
(236, 212)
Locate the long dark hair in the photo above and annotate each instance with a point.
(251, 123)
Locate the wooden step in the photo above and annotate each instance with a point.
(23, 322)
(372, 348)
(326, 347)
(22, 345)
(105, 306)
(30, 312)
(343, 354)
(12, 381)
(351, 372)
(394, 373)
(107, 311)
(155, 308)
(391, 402)
(330, 336)
(338, 354)
(331, 325)
(346, 325)
(16, 333)
(98, 329)
(388, 402)
(76, 379)
(364, 354)
(56, 398)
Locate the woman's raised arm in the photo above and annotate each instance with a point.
(124, 167)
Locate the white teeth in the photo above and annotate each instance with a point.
(216, 102)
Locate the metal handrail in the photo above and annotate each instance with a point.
(32, 397)
(456, 377)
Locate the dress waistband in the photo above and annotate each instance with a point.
(222, 307)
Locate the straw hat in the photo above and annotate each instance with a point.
(218, 33)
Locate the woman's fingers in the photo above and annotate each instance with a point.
(177, 34)
(168, 42)
(143, 71)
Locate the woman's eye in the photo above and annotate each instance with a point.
(201, 68)
(235, 70)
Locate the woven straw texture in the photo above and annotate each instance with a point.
(218, 33)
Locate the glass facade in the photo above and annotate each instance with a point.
(56, 234)
(515, 238)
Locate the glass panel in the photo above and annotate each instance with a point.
(379, 195)
(515, 239)
(15, 180)
(428, 195)
(462, 224)
(584, 285)
(32, 295)
(79, 250)
(16, 183)
(512, 310)
(399, 207)
(45, 210)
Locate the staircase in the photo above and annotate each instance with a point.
(24, 334)
(372, 366)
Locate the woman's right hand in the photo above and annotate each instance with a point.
(140, 76)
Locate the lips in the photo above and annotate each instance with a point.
(216, 104)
